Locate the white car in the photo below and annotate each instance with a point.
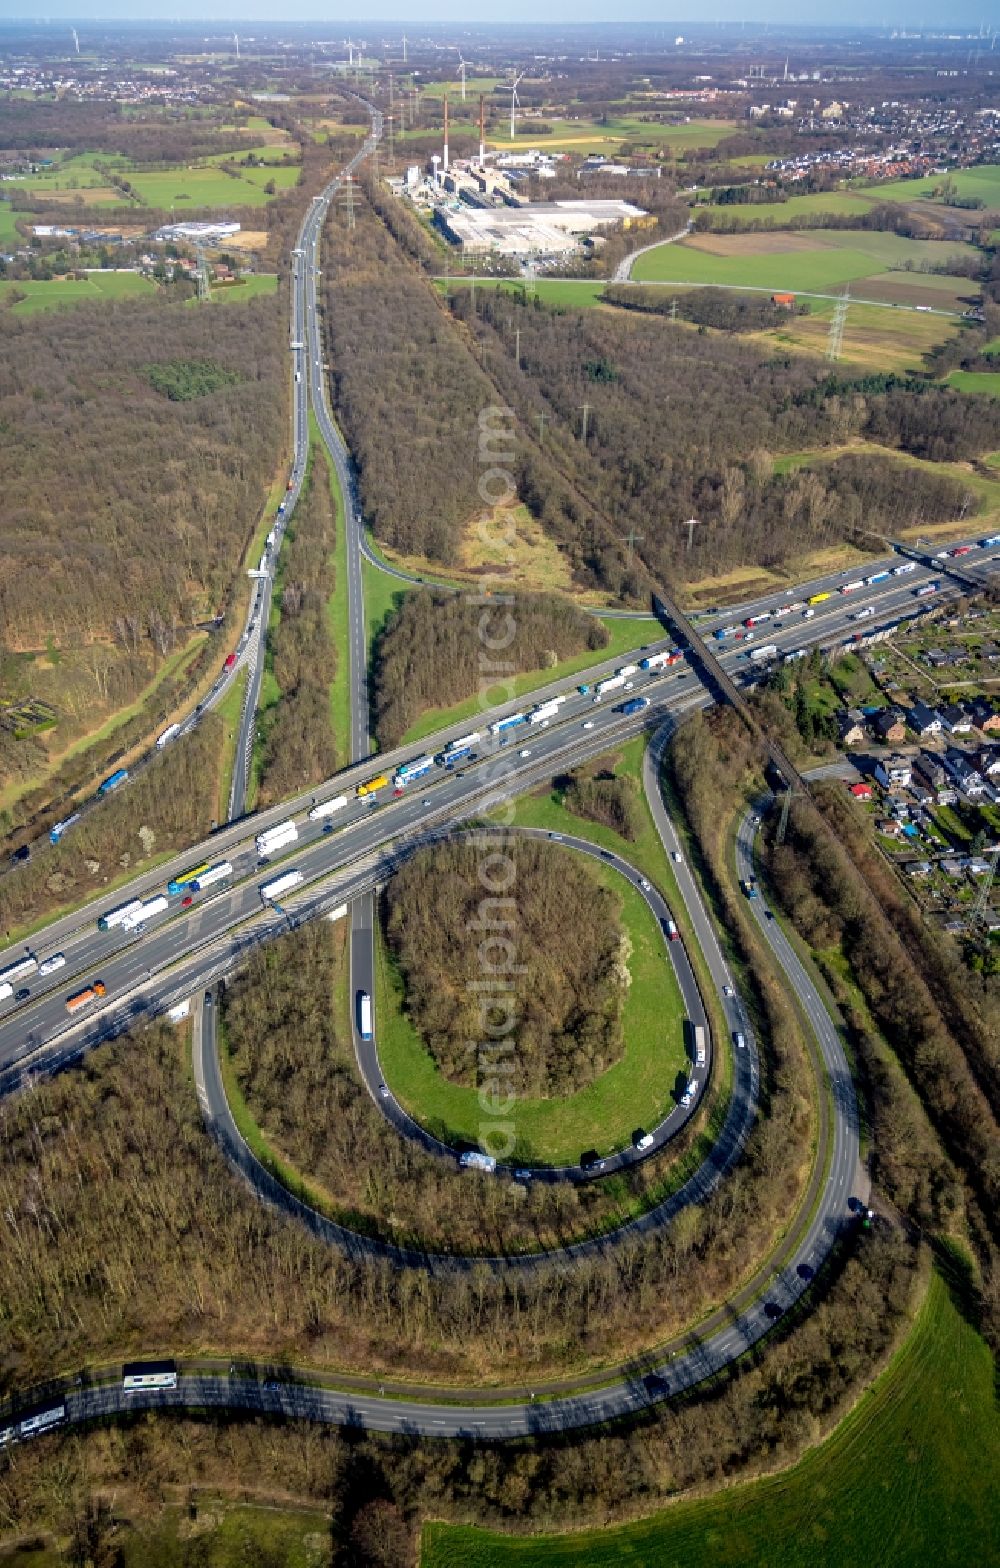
(739, 1040)
(677, 857)
(383, 1090)
(644, 884)
(588, 724)
(525, 752)
(727, 990)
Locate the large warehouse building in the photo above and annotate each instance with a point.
(536, 228)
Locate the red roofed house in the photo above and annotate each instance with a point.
(861, 791)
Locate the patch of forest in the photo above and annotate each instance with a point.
(604, 797)
(171, 803)
(425, 423)
(126, 511)
(432, 650)
(571, 973)
(405, 388)
(88, 125)
(722, 309)
(682, 425)
(298, 745)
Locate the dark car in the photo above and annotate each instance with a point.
(769, 914)
(23, 994)
(591, 1161)
(208, 998)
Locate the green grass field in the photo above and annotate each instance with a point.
(623, 637)
(635, 1091)
(381, 594)
(8, 214)
(838, 259)
(79, 179)
(983, 182)
(206, 186)
(62, 291)
(975, 381)
(785, 212)
(251, 287)
(907, 1480)
(587, 135)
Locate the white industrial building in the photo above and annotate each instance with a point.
(534, 228)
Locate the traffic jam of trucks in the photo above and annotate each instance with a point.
(134, 915)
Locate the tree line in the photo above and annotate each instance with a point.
(298, 746)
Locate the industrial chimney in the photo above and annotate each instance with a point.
(482, 132)
(444, 160)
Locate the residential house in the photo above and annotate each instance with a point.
(988, 762)
(894, 772)
(955, 720)
(889, 727)
(889, 828)
(918, 868)
(984, 716)
(970, 781)
(923, 720)
(931, 769)
(851, 726)
(861, 791)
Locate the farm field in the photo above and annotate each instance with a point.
(586, 136)
(82, 180)
(982, 182)
(785, 212)
(906, 1479)
(635, 1091)
(8, 216)
(207, 186)
(875, 336)
(817, 259)
(975, 381)
(49, 294)
(251, 287)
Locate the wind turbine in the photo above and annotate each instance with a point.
(515, 102)
(461, 67)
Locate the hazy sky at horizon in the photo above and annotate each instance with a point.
(940, 15)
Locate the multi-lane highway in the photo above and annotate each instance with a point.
(344, 857)
(724, 1337)
(364, 828)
